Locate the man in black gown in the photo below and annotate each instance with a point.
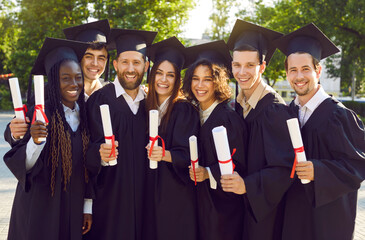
(269, 153)
(333, 138)
(120, 189)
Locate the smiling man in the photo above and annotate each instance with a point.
(269, 155)
(333, 138)
(120, 189)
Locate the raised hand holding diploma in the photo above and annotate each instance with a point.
(296, 139)
(223, 152)
(39, 102)
(19, 109)
(194, 154)
(108, 131)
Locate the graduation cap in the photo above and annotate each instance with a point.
(90, 32)
(248, 34)
(216, 52)
(130, 40)
(309, 39)
(170, 49)
(55, 50)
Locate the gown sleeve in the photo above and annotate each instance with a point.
(343, 169)
(267, 186)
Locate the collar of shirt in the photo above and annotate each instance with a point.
(162, 109)
(315, 101)
(72, 116)
(204, 114)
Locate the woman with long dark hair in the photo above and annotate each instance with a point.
(172, 196)
(220, 213)
(51, 175)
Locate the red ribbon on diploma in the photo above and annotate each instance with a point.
(229, 160)
(112, 137)
(23, 109)
(41, 109)
(154, 139)
(296, 150)
(193, 163)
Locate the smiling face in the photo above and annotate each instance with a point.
(247, 70)
(71, 83)
(130, 67)
(302, 75)
(202, 86)
(164, 80)
(93, 63)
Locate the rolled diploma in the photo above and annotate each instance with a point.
(193, 151)
(16, 96)
(107, 127)
(222, 148)
(153, 133)
(296, 139)
(39, 98)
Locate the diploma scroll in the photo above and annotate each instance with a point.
(108, 131)
(296, 139)
(39, 101)
(223, 151)
(153, 134)
(193, 145)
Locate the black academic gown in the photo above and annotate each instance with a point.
(269, 161)
(173, 196)
(220, 214)
(325, 209)
(120, 189)
(36, 214)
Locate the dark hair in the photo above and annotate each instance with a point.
(220, 74)
(152, 98)
(315, 62)
(58, 139)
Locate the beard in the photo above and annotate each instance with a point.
(129, 85)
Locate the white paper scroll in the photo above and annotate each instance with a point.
(296, 139)
(39, 98)
(153, 133)
(222, 148)
(107, 127)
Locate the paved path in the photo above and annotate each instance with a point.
(8, 184)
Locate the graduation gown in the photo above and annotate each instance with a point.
(120, 189)
(220, 214)
(269, 161)
(36, 214)
(173, 196)
(333, 139)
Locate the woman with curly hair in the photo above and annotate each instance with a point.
(172, 203)
(51, 175)
(220, 214)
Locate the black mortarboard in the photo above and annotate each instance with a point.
(216, 52)
(309, 39)
(90, 32)
(55, 50)
(130, 40)
(170, 49)
(249, 34)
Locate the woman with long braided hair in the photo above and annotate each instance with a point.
(52, 176)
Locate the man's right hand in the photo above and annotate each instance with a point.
(106, 149)
(18, 127)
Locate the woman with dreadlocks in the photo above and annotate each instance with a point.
(173, 203)
(51, 175)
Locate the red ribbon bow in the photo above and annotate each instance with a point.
(39, 107)
(230, 160)
(112, 137)
(24, 109)
(296, 151)
(193, 163)
(154, 139)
